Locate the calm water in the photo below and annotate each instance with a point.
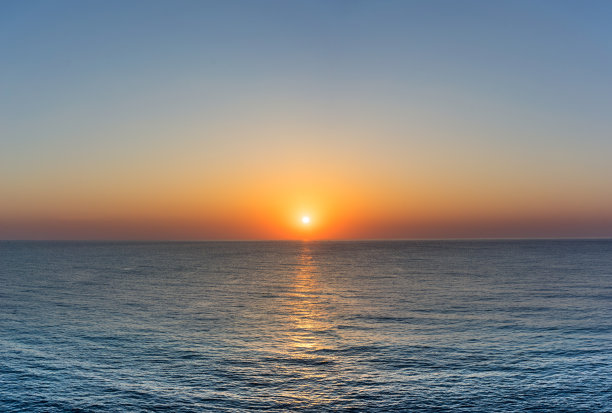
(474, 326)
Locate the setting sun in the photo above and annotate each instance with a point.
(305, 220)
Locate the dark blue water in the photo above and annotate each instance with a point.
(462, 326)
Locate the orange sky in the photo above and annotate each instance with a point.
(377, 120)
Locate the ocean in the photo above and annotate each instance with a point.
(420, 326)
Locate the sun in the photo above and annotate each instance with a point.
(305, 220)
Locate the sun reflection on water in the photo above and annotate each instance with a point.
(309, 331)
(307, 303)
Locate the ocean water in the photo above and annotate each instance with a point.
(461, 326)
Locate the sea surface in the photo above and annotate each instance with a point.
(457, 326)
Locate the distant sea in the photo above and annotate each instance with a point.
(435, 326)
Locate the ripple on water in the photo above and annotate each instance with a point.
(407, 326)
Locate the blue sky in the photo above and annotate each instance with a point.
(501, 99)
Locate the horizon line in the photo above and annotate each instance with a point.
(603, 238)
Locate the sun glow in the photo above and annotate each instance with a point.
(305, 220)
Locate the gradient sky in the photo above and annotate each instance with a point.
(232, 119)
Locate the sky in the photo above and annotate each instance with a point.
(206, 120)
